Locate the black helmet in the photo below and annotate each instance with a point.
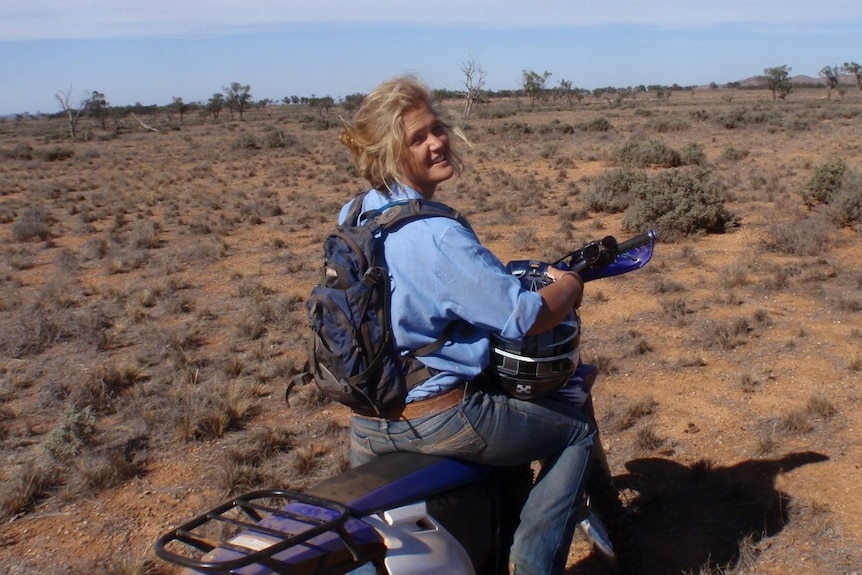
(539, 364)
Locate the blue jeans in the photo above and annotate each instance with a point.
(491, 428)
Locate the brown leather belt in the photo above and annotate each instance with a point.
(430, 406)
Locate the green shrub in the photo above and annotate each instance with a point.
(72, 434)
(749, 116)
(22, 151)
(245, 141)
(34, 223)
(275, 138)
(840, 189)
(733, 154)
(596, 125)
(677, 203)
(649, 152)
(824, 184)
(56, 154)
(845, 205)
(667, 124)
(516, 128)
(613, 191)
(693, 155)
(555, 127)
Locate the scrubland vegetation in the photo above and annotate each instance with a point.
(152, 291)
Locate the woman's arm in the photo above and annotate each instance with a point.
(558, 299)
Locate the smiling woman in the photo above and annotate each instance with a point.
(447, 287)
(427, 151)
(398, 138)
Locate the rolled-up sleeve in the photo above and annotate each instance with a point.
(475, 286)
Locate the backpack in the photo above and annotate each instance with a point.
(351, 353)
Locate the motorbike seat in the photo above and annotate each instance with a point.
(397, 479)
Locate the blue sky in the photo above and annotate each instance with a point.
(150, 51)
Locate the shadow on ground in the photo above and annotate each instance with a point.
(688, 518)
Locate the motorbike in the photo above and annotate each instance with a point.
(409, 513)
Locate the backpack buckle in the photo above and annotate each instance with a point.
(389, 214)
(373, 275)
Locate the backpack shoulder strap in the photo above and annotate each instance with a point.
(389, 219)
(355, 211)
(393, 215)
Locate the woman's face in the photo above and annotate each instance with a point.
(426, 146)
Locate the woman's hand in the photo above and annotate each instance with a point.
(559, 297)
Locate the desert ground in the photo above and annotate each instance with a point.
(152, 291)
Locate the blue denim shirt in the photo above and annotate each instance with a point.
(440, 273)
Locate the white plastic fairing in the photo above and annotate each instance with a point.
(417, 545)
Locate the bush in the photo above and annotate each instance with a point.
(245, 141)
(56, 154)
(596, 125)
(840, 188)
(758, 115)
(274, 138)
(650, 152)
(667, 124)
(22, 151)
(693, 155)
(677, 203)
(732, 154)
(845, 205)
(806, 237)
(25, 485)
(33, 223)
(824, 184)
(613, 191)
(72, 434)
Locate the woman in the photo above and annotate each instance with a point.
(442, 274)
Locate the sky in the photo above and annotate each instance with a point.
(152, 51)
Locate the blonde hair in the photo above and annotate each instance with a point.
(375, 137)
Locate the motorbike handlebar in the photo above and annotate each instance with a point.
(636, 242)
(607, 257)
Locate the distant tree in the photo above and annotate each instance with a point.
(352, 102)
(72, 111)
(778, 81)
(474, 81)
(661, 92)
(180, 107)
(856, 70)
(238, 98)
(97, 107)
(597, 94)
(579, 94)
(215, 105)
(830, 77)
(262, 107)
(566, 91)
(322, 104)
(533, 84)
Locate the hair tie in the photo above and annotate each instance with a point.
(347, 139)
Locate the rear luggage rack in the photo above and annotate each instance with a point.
(273, 531)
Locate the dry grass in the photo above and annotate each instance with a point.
(152, 291)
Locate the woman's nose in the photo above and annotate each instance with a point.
(435, 142)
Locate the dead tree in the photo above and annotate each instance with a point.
(74, 113)
(474, 81)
